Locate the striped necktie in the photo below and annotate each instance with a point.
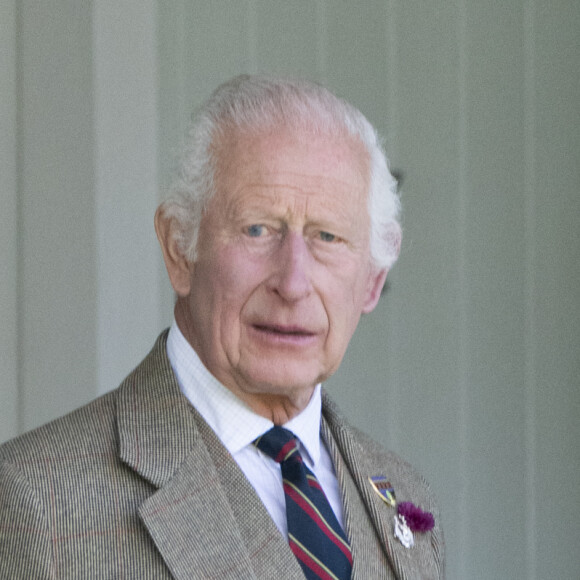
(314, 534)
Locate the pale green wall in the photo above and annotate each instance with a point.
(470, 365)
(8, 224)
(57, 275)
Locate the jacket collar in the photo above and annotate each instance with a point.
(157, 431)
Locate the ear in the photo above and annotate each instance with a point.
(375, 283)
(178, 267)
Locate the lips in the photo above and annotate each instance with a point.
(281, 334)
(283, 330)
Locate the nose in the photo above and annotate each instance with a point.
(292, 268)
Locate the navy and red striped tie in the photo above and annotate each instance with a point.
(314, 534)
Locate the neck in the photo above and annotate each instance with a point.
(278, 409)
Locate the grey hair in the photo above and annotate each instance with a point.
(256, 104)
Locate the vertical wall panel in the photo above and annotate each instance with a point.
(8, 223)
(216, 46)
(57, 290)
(87, 257)
(125, 123)
(287, 37)
(356, 36)
(556, 298)
(458, 563)
(496, 276)
(531, 494)
(428, 284)
(201, 46)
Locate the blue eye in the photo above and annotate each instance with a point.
(327, 237)
(255, 231)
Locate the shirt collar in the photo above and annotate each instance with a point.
(306, 426)
(235, 424)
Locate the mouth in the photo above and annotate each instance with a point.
(284, 334)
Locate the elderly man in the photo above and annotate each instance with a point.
(220, 456)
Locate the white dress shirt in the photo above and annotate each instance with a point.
(237, 426)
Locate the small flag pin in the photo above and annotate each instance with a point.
(384, 489)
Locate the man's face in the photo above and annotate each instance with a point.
(283, 269)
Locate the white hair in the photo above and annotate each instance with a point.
(255, 104)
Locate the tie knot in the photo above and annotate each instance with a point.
(279, 444)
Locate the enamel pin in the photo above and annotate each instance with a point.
(384, 489)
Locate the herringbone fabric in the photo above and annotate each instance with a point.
(314, 534)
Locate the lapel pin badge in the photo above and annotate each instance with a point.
(384, 489)
(409, 517)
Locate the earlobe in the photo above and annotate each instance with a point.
(176, 263)
(375, 284)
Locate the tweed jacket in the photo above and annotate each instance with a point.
(136, 485)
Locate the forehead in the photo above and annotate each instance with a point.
(287, 160)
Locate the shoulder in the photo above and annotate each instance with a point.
(68, 479)
(86, 432)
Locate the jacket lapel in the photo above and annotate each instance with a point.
(350, 466)
(189, 517)
(192, 524)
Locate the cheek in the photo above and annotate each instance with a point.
(236, 278)
(344, 303)
(240, 274)
(227, 269)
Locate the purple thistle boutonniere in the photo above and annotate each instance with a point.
(415, 517)
(409, 518)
